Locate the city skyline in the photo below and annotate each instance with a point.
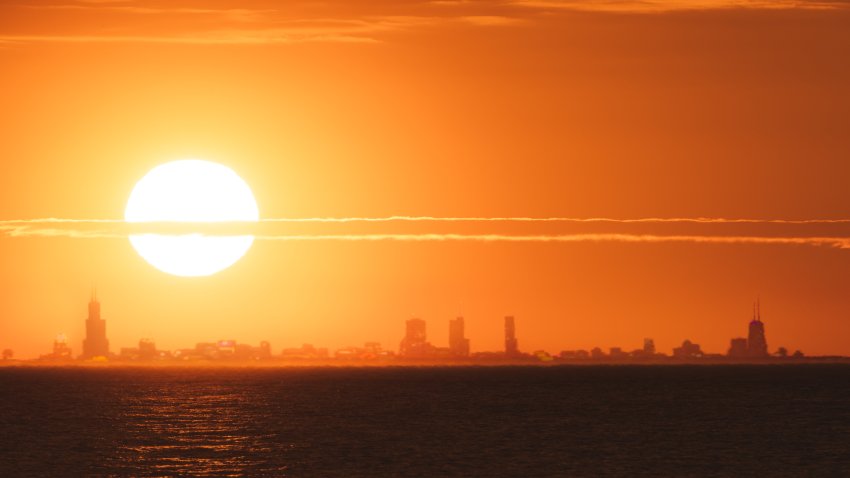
(424, 238)
(628, 176)
(413, 346)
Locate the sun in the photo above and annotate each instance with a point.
(191, 190)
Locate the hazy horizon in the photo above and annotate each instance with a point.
(462, 110)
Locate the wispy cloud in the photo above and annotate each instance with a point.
(245, 14)
(837, 242)
(699, 220)
(104, 1)
(661, 6)
(237, 23)
(270, 229)
(23, 231)
(262, 23)
(267, 37)
(490, 20)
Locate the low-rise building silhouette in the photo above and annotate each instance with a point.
(305, 352)
(574, 355)
(61, 349)
(737, 348)
(147, 349)
(687, 350)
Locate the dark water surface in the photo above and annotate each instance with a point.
(790, 420)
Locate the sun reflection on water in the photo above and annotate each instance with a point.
(199, 431)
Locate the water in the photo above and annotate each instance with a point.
(702, 421)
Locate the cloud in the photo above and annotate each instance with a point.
(490, 20)
(694, 220)
(838, 242)
(662, 6)
(186, 23)
(58, 232)
(698, 220)
(261, 23)
(269, 229)
(267, 37)
(245, 14)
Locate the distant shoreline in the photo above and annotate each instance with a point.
(277, 363)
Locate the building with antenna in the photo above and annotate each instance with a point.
(756, 341)
(95, 344)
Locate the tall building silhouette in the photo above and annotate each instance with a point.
(458, 344)
(756, 341)
(414, 342)
(95, 344)
(511, 344)
(648, 347)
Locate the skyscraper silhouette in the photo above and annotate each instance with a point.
(756, 341)
(458, 344)
(511, 344)
(95, 344)
(648, 347)
(414, 342)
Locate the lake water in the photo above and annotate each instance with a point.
(701, 421)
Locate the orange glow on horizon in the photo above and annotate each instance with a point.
(451, 128)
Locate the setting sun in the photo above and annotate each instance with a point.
(192, 191)
(498, 238)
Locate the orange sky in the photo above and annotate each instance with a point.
(487, 109)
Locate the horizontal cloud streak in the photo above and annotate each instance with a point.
(119, 229)
(231, 13)
(838, 242)
(267, 37)
(263, 23)
(662, 6)
(699, 220)
(696, 220)
(239, 24)
(29, 231)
